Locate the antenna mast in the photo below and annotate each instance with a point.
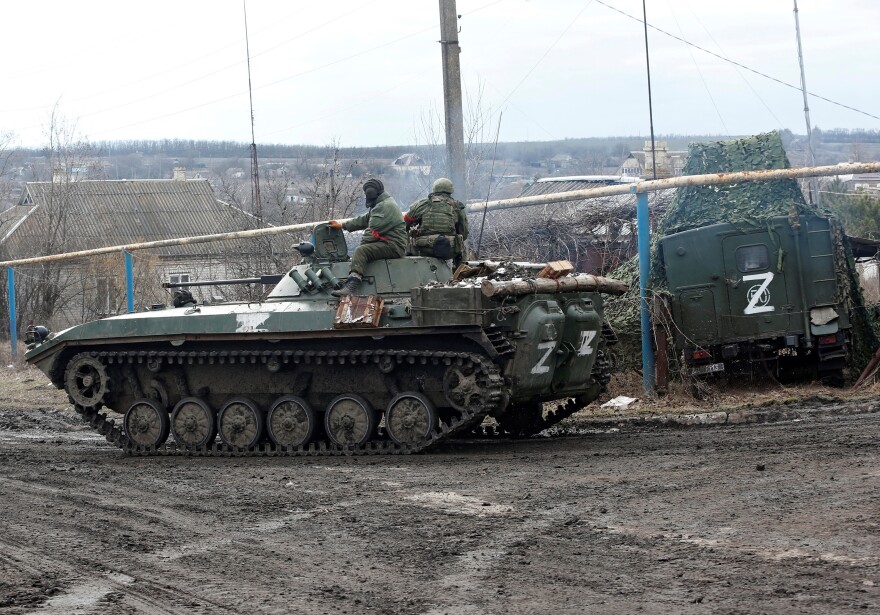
(812, 157)
(256, 204)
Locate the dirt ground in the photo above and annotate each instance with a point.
(763, 518)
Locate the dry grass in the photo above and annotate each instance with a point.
(27, 388)
(721, 396)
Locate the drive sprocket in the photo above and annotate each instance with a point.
(86, 381)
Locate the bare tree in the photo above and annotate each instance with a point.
(330, 188)
(44, 289)
(6, 158)
(479, 136)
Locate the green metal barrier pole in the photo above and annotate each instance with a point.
(644, 227)
(129, 280)
(13, 325)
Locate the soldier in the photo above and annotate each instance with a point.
(441, 221)
(384, 237)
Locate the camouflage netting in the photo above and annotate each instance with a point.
(749, 203)
(745, 205)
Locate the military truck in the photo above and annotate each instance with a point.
(414, 360)
(768, 296)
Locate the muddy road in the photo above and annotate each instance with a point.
(776, 518)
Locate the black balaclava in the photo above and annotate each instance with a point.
(372, 189)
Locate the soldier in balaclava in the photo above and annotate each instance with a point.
(384, 234)
(440, 223)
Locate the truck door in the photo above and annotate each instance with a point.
(757, 296)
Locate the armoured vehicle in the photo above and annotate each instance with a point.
(412, 362)
(770, 295)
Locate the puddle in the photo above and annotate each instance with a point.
(455, 503)
(84, 597)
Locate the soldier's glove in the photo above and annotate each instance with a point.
(335, 224)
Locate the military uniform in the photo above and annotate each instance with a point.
(442, 224)
(384, 237)
(385, 234)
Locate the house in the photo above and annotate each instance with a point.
(561, 162)
(641, 164)
(65, 216)
(868, 183)
(411, 163)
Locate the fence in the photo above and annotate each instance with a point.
(546, 209)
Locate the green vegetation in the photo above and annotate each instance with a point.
(858, 211)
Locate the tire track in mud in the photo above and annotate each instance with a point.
(87, 578)
(474, 529)
(84, 592)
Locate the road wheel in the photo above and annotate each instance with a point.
(146, 424)
(410, 418)
(240, 423)
(193, 423)
(350, 420)
(291, 422)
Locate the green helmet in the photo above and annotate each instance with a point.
(441, 184)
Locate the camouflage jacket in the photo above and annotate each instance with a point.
(438, 214)
(383, 222)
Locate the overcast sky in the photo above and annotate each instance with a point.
(367, 72)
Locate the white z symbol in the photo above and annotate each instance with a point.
(758, 294)
(540, 368)
(587, 338)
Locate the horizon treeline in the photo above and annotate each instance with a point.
(511, 150)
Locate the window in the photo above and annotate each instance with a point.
(179, 278)
(752, 258)
(105, 296)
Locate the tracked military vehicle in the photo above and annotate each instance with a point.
(412, 361)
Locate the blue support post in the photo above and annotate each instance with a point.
(129, 280)
(644, 226)
(13, 325)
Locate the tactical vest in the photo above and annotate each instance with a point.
(440, 216)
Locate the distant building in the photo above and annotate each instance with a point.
(865, 182)
(641, 164)
(180, 173)
(561, 162)
(411, 163)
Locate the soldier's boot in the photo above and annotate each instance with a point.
(350, 287)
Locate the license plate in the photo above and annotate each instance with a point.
(708, 369)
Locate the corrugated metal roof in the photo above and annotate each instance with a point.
(570, 184)
(116, 212)
(604, 180)
(10, 219)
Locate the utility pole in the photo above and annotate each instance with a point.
(452, 97)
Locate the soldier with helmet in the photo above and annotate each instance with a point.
(440, 224)
(384, 237)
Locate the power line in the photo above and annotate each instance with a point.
(735, 63)
(736, 68)
(285, 79)
(197, 60)
(700, 73)
(545, 54)
(271, 83)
